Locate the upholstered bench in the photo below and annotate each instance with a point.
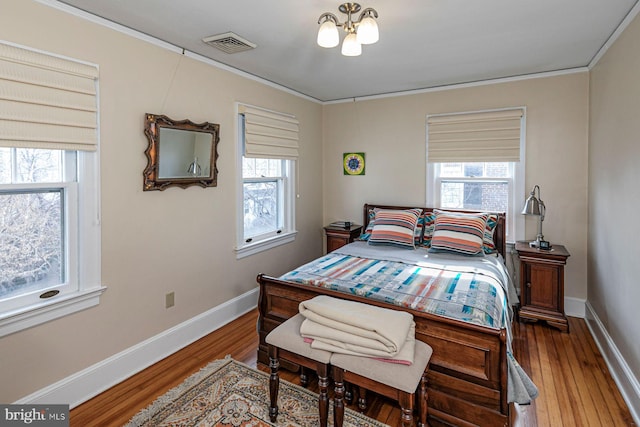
(396, 381)
(285, 341)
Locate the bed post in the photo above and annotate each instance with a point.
(365, 217)
(504, 372)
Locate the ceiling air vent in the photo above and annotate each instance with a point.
(229, 43)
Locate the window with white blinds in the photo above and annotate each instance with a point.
(488, 136)
(475, 161)
(46, 101)
(268, 143)
(49, 187)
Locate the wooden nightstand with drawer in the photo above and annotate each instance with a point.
(338, 236)
(542, 284)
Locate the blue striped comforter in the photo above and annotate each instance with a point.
(472, 291)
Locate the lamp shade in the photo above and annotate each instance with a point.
(368, 30)
(350, 45)
(328, 34)
(532, 206)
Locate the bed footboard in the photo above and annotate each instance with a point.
(468, 374)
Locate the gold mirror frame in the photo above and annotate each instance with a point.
(153, 180)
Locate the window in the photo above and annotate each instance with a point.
(264, 182)
(49, 183)
(35, 242)
(474, 163)
(475, 186)
(49, 229)
(267, 164)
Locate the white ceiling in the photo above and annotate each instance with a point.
(423, 43)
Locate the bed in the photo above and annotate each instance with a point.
(472, 364)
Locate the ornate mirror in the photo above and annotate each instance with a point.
(180, 153)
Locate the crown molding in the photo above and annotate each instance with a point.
(614, 36)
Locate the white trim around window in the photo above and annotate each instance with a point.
(288, 232)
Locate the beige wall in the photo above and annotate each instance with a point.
(614, 198)
(154, 242)
(391, 131)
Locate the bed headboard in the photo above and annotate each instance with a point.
(499, 236)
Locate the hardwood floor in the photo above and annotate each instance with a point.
(576, 388)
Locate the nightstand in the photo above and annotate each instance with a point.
(542, 284)
(339, 236)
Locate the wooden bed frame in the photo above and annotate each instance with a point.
(468, 374)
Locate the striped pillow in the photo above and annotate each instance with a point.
(367, 232)
(458, 232)
(429, 222)
(418, 234)
(488, 245)
(395, 227)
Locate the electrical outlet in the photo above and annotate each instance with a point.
(170, 299)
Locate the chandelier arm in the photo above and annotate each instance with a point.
(329, 16)
(368, 11)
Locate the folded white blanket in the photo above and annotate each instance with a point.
(378, 330)
(324, 338)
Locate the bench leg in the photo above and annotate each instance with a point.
(406, 404)
(338, 400)
(348, 393)
(323, 398)
(423, 399)
(274, 383)
(362, 399)
(304, 377)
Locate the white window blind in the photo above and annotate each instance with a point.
(46, 101)
(269, 135)
(490, 136)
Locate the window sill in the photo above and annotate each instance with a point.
(263, 245)
(19, 320)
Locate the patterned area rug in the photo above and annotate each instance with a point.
(228, 393)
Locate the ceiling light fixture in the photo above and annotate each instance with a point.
(362, 31)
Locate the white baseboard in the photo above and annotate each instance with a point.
(574, 307)
(622, 375)
(95, 379)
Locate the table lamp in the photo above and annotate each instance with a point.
(535, 206)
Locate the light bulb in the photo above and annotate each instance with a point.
(350, 45)
(368, 30)
(328, 34)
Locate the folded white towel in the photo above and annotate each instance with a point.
(323, 338)
(381, 330)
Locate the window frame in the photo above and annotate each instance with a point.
(68, 230)
(83, 235)
(286, 203)
(281, 182)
